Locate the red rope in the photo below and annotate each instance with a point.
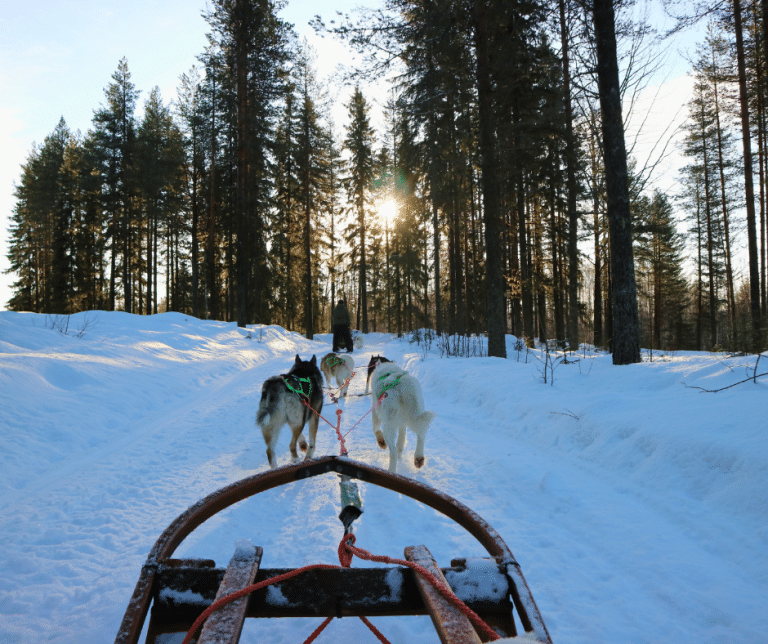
(346, 551)
(319, 415)
(382, 397)
(339, 412)
(318, 630)
(346, 382)
(345, 558)
(374, 630)
(246, 591)
(347, 542)
(343, 451)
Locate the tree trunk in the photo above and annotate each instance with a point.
(749, 191)
(194, 232)
(710, 240)
(491, 210)
(526, 294)
(571, 187)
(308, 312)
(726, 228)
(241, 214)
(625, 336)
(210, 241)
(363, 305)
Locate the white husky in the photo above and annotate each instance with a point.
(402, 405)
(340, 367)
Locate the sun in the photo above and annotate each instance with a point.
(388, 210)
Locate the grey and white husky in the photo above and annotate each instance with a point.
(402, 406)
(283, 401)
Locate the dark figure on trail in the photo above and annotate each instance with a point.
(341, 333)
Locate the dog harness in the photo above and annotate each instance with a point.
(332, 362)
(392, 384)
(300, 386)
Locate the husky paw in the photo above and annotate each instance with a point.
(418, 461)
(303, 446)
(382, 443)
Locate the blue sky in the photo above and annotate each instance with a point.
(57, 56)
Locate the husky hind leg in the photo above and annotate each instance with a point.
(420, 426)
(376, 416)
(344, 374)
(344, 384)
(400, 441)
(390, 441)
(271, 434)
(297, 435)
(313, 422)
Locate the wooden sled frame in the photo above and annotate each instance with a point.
(164, 582)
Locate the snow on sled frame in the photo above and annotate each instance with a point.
(179, 590)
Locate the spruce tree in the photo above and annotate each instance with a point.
(660, 264)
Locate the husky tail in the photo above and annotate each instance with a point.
(422, 421)
(268, 403)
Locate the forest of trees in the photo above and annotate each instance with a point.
(518, 210)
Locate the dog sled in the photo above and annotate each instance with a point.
(178, 594)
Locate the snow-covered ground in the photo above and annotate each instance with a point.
(636, 506)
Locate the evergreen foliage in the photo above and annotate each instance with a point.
(239, 204)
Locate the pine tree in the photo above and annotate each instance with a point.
(42, 231)
(625, 339)
(749, 192)
(572, 188)
(285, 222)
(360, 173)
(190, 107)
(710, 182)
(331, 210)
(491, 198)
(113, 148)
(312, 167)
(251, 43)
(160, 177)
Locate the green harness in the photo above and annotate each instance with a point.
(300, 386)
(332, 362)
(394, 383)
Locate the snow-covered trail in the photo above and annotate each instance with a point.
(635, 506)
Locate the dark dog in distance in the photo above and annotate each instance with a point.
(375, 360)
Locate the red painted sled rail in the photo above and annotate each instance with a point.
(167, 584)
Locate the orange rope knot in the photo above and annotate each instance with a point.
(345, 554)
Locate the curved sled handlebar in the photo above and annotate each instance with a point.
(204, 509)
